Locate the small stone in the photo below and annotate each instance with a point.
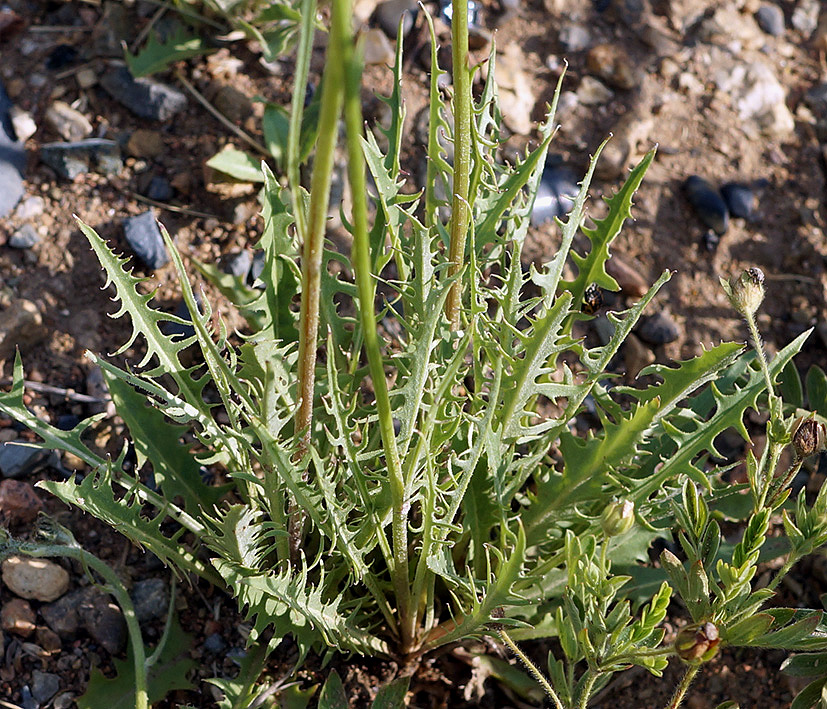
(150, 599)
(18, 459)
(63, 700)
(145, 143)
(628, 277)
(770, 18)
(378, 48)
(67, 122)
(632, 128)
(239, 264)
(611, 64)
(574, 38)
(555, 193)
(48, 639)
(86, 78)
(233, 103)
(23, 124)
(17, 616)
(38, 579)
(44, 685)
(145, 97)
(740, 200)
(72, 159)
(19, 503)
(658, 329)
(388, 14)
(145, 238)
(30, 208)
(215, 644)
(159, 189)
(24, 238)
(103, 620)
(805, 16)
(62, 615)
(12, 158)
(636, 355)
(21, 326)
(516, 95)
(61, 56)
(707, 203)
(592, 92)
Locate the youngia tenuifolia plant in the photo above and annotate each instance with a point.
(392, 498)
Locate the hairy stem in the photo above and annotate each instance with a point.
(758, 346)
(331, 107)
(547, 688)
(587, 688)
(683, 687)
(460, 208)
(342, 36)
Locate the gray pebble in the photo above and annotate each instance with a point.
(72, 159)
(103, 620)
(239, 264)
(17, 461)
(149, 597)
(12, 159)
(145, 97)
(44, 686)
(574, 38)
(30, 207)
(770, 18)
(658, 329)
(24, 238)
(159, 189)
(707, 203)
(214, 643)
(145, 238)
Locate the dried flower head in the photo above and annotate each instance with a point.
(697, 643)
(810, 437)
(746, 292)
(617, 518)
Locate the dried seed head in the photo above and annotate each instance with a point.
(809, 437)
(746, 292)
(617, 518)
(697, 643)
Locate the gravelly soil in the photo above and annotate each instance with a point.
(674, 51)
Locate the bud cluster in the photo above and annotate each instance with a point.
(810, 437)
(746, 292)
(697, 643)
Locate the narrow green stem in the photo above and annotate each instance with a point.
(759, 349)
(637, 653)
(791, 561)
(586, 690)
(683, 687)
(331, 107)
(342, 36)
(117, 589)
(547, 688)
(460, 207)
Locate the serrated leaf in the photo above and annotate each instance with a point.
(237, 164)
(157, 56)
(167, 674)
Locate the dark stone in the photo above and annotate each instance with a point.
(66, 422)
(159, 189)
(62, 615)
(658, 329)
(214, 643)
(24, 238)
(707, 203)
(555, 193)
(72, 159)
(61, 56)
(17, 461)
(12, 159)
(740, 200)
(44, 686)
(145, 238)
(239, 264)
(150, 599)
(103, 620)
(146, 98)
(770, 18)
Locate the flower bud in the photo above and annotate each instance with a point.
(617, 518)
(746, 292)
(809, 437)
(697, 643)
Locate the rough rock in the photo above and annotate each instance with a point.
(378, 48)
(574, 38)
(48, 639)
(610, 63)
(707, 203)
(24, 238)
(17, 616)
(145, 97)
(62, 615)
(12, 158)
(72, 159)
(658, 329)
(159, 189)
(20, 326)
(145, 143)
(38, 579)
(150, 598)
(18, 459)
(30, 208)
(23, 123)
(233, 104)
(44, 686)
(103, 620)
(621, 150)
(516, 96)
(145, 238)
(805, 16)
(19, 502)
(69, 123)
(758, 96)
(592, 92)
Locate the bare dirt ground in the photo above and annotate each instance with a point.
(677, 73)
